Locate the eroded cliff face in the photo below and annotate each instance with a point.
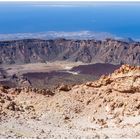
(106, 108)
(88, 51)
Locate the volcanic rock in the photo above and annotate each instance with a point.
(108, 107)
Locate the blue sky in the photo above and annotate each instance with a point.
(121, 19)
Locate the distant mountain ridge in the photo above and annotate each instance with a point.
(87, 51)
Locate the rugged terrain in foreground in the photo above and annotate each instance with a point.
(107, 108)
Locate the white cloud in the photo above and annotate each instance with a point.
(53, 35)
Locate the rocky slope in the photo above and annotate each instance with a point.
(107, 108)
(88, 51)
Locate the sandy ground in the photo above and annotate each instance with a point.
(39, 67)
(50, 126)
(57, 117)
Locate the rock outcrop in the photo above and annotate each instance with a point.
(121, 89)
(126, 79)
